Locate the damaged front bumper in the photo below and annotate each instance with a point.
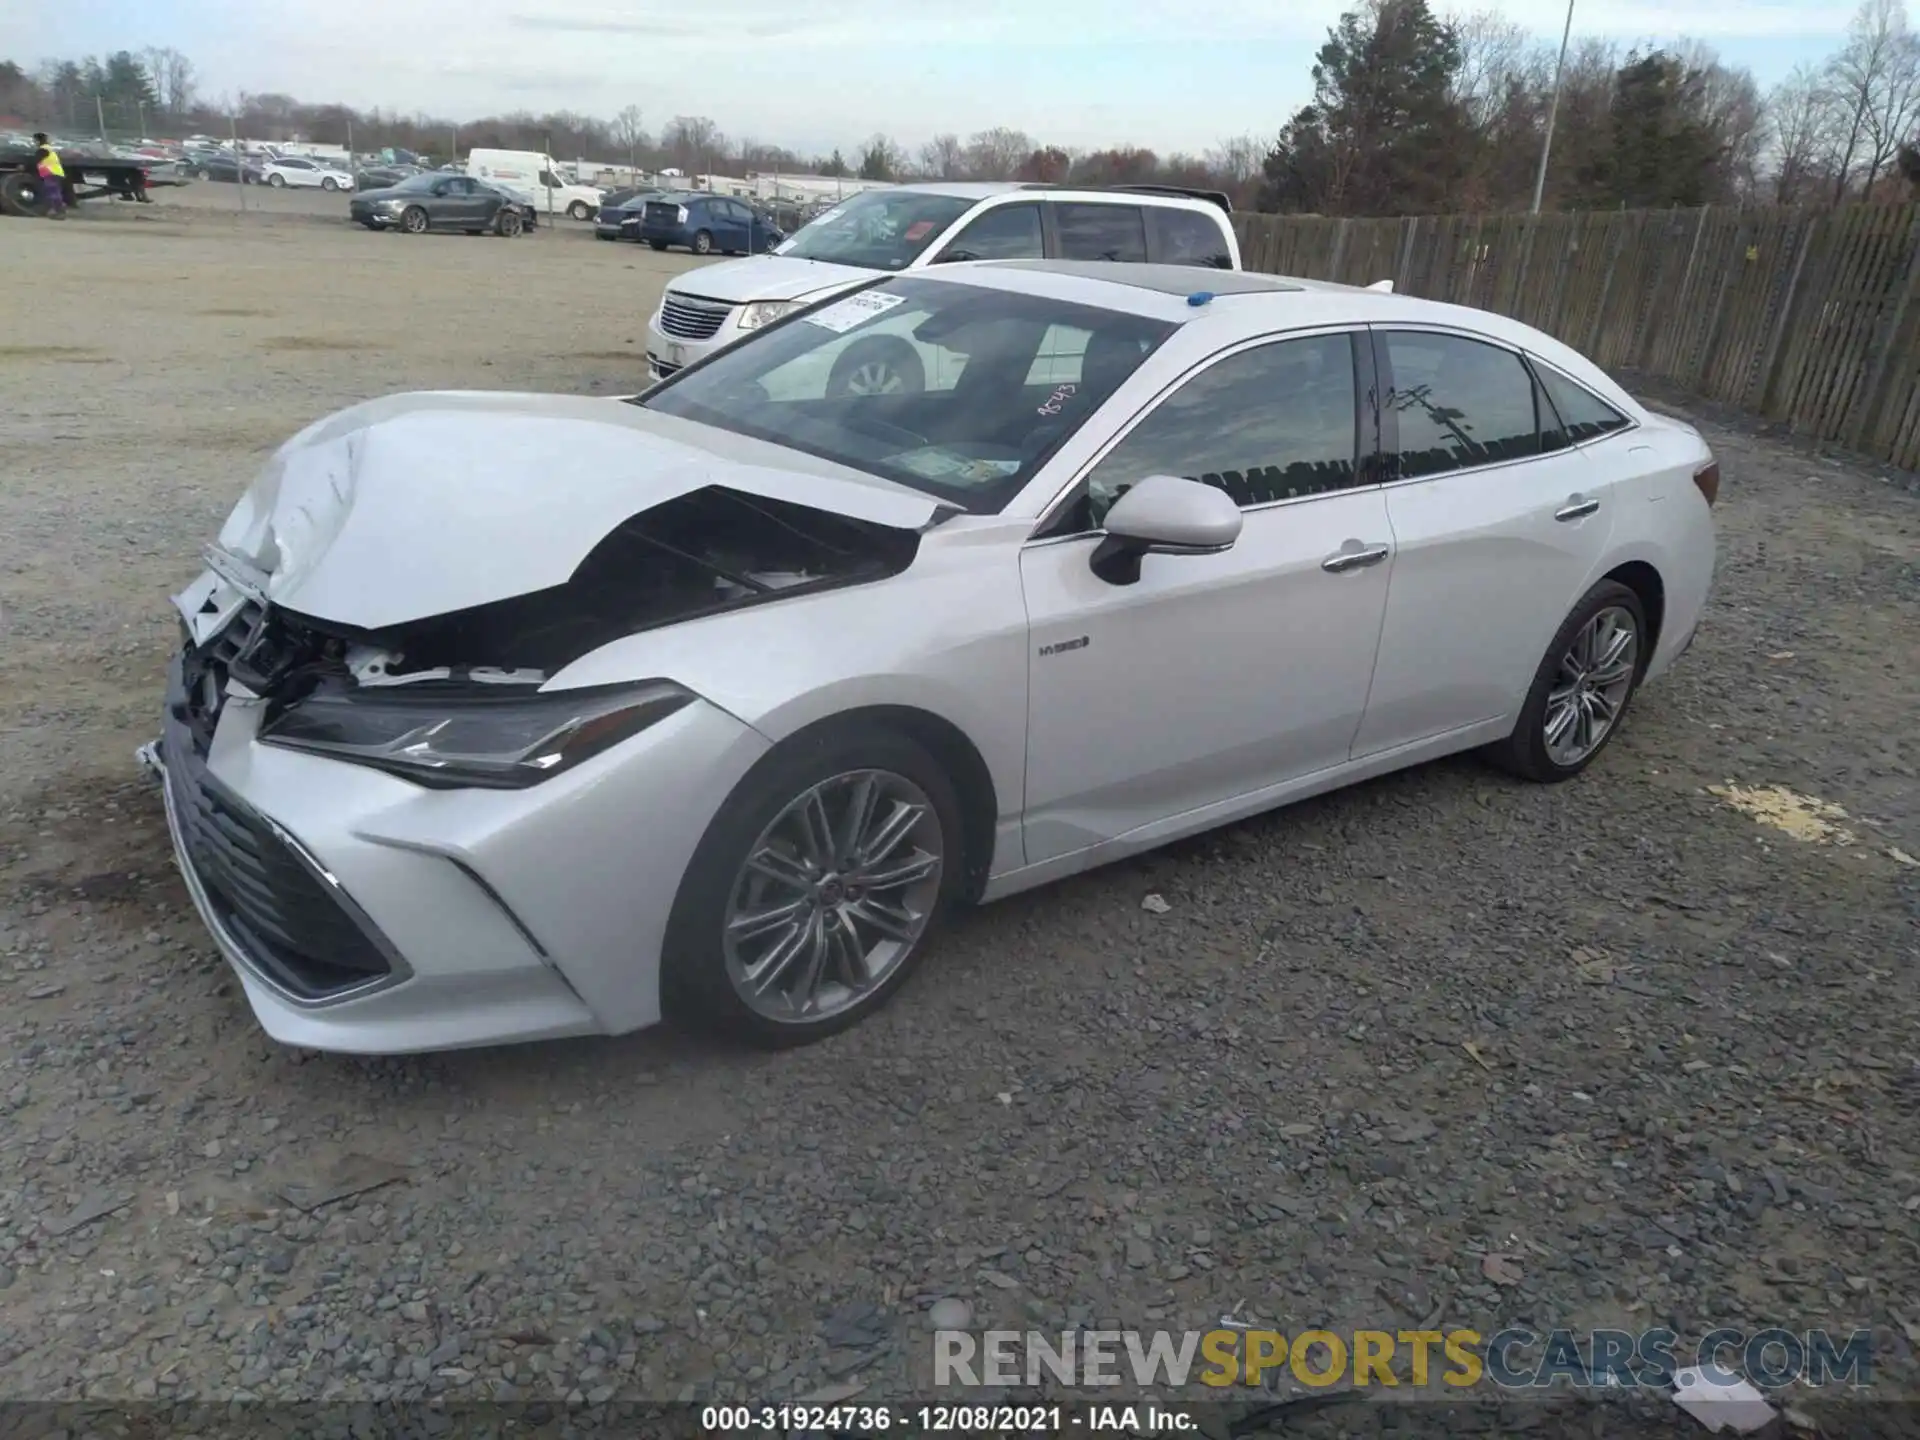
(365, 914)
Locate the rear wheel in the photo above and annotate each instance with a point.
(413, 220)
(1582, 689)
(278, 182)
(20, 194)
(658, 244)
(809, 899)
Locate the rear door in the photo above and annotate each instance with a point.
(1499, 528)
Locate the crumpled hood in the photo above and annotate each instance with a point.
(416, 505)
(770, 277)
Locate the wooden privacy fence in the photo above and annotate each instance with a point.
(1807, 317)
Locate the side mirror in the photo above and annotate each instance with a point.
(1164, 515)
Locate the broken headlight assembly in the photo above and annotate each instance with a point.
(490, 742)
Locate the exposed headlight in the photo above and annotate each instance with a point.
(765, 312)
(504, 743)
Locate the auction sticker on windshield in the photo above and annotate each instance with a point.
(844, 315)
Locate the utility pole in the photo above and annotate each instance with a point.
(100, 109)
(1553, 111)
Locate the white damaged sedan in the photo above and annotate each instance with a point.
(501, 717)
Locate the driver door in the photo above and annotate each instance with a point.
(1212, 677)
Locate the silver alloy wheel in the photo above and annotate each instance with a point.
(876, 377)
(833, 896)
(1591, 689)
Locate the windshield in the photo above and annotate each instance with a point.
(877, 229)
(959, 391)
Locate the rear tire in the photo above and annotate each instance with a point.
(1580, 680)
(276, 182)
(698, 981)
(20, 194)
(658, 244)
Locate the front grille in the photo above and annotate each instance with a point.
(692, 319)
(289, 923)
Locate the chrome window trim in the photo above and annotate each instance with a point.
(1064, 493)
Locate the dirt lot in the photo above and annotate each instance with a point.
(1651, 1051)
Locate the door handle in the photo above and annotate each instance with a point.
(1576, 508)
(1342, 560)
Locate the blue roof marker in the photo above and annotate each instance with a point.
(1199, 298)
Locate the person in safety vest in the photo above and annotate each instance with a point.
(53, 177)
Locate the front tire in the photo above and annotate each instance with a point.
(508, 223)
(703, 243)
(578, 211)
(329, 183)
(1582, 689)
(414, 220)
(811, 896)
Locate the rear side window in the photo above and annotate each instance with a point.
(1577, 413)
(1101, 232)
(1186, 237)
(1458, 403)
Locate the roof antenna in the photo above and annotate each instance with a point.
(1199, 298)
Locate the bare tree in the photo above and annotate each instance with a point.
(1236, 159)
(629, 132)
(1801, 133)
(693, 142)
(1873, 79)
(944, 158)
(1494, 57)
(172, 77)
(995, 154)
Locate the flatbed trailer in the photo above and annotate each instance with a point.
(88, 177)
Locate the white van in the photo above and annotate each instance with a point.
(535, 175)
(908, 227)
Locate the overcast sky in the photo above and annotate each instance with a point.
(1167, 74)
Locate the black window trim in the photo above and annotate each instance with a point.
(1369, 458)
(1540, 368)
(1390, 424)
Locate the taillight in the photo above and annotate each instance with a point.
(1707, 481)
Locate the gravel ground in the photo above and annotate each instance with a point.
(1654, 1051)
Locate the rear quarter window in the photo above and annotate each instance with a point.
(1188, 237)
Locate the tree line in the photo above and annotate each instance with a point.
(1413, 112)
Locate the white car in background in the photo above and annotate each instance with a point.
(716, 719)
(910, 227)
(298, 172)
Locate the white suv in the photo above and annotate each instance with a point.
(908, 227)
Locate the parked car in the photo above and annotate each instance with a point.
(619, 219)
(791, 673)
(383, 177)
(909, 227)
(225, 168)
(299, 172)
(434, 201)
(707, 225)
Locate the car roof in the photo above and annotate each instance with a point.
(1181, 280)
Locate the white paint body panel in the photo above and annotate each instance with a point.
(1216, 687)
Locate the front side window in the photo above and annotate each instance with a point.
(944, 387)
(1101, 232)
(1278, 422)
(877, 229)
(1006, 232)
(1580, 415)
(1458, 403)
